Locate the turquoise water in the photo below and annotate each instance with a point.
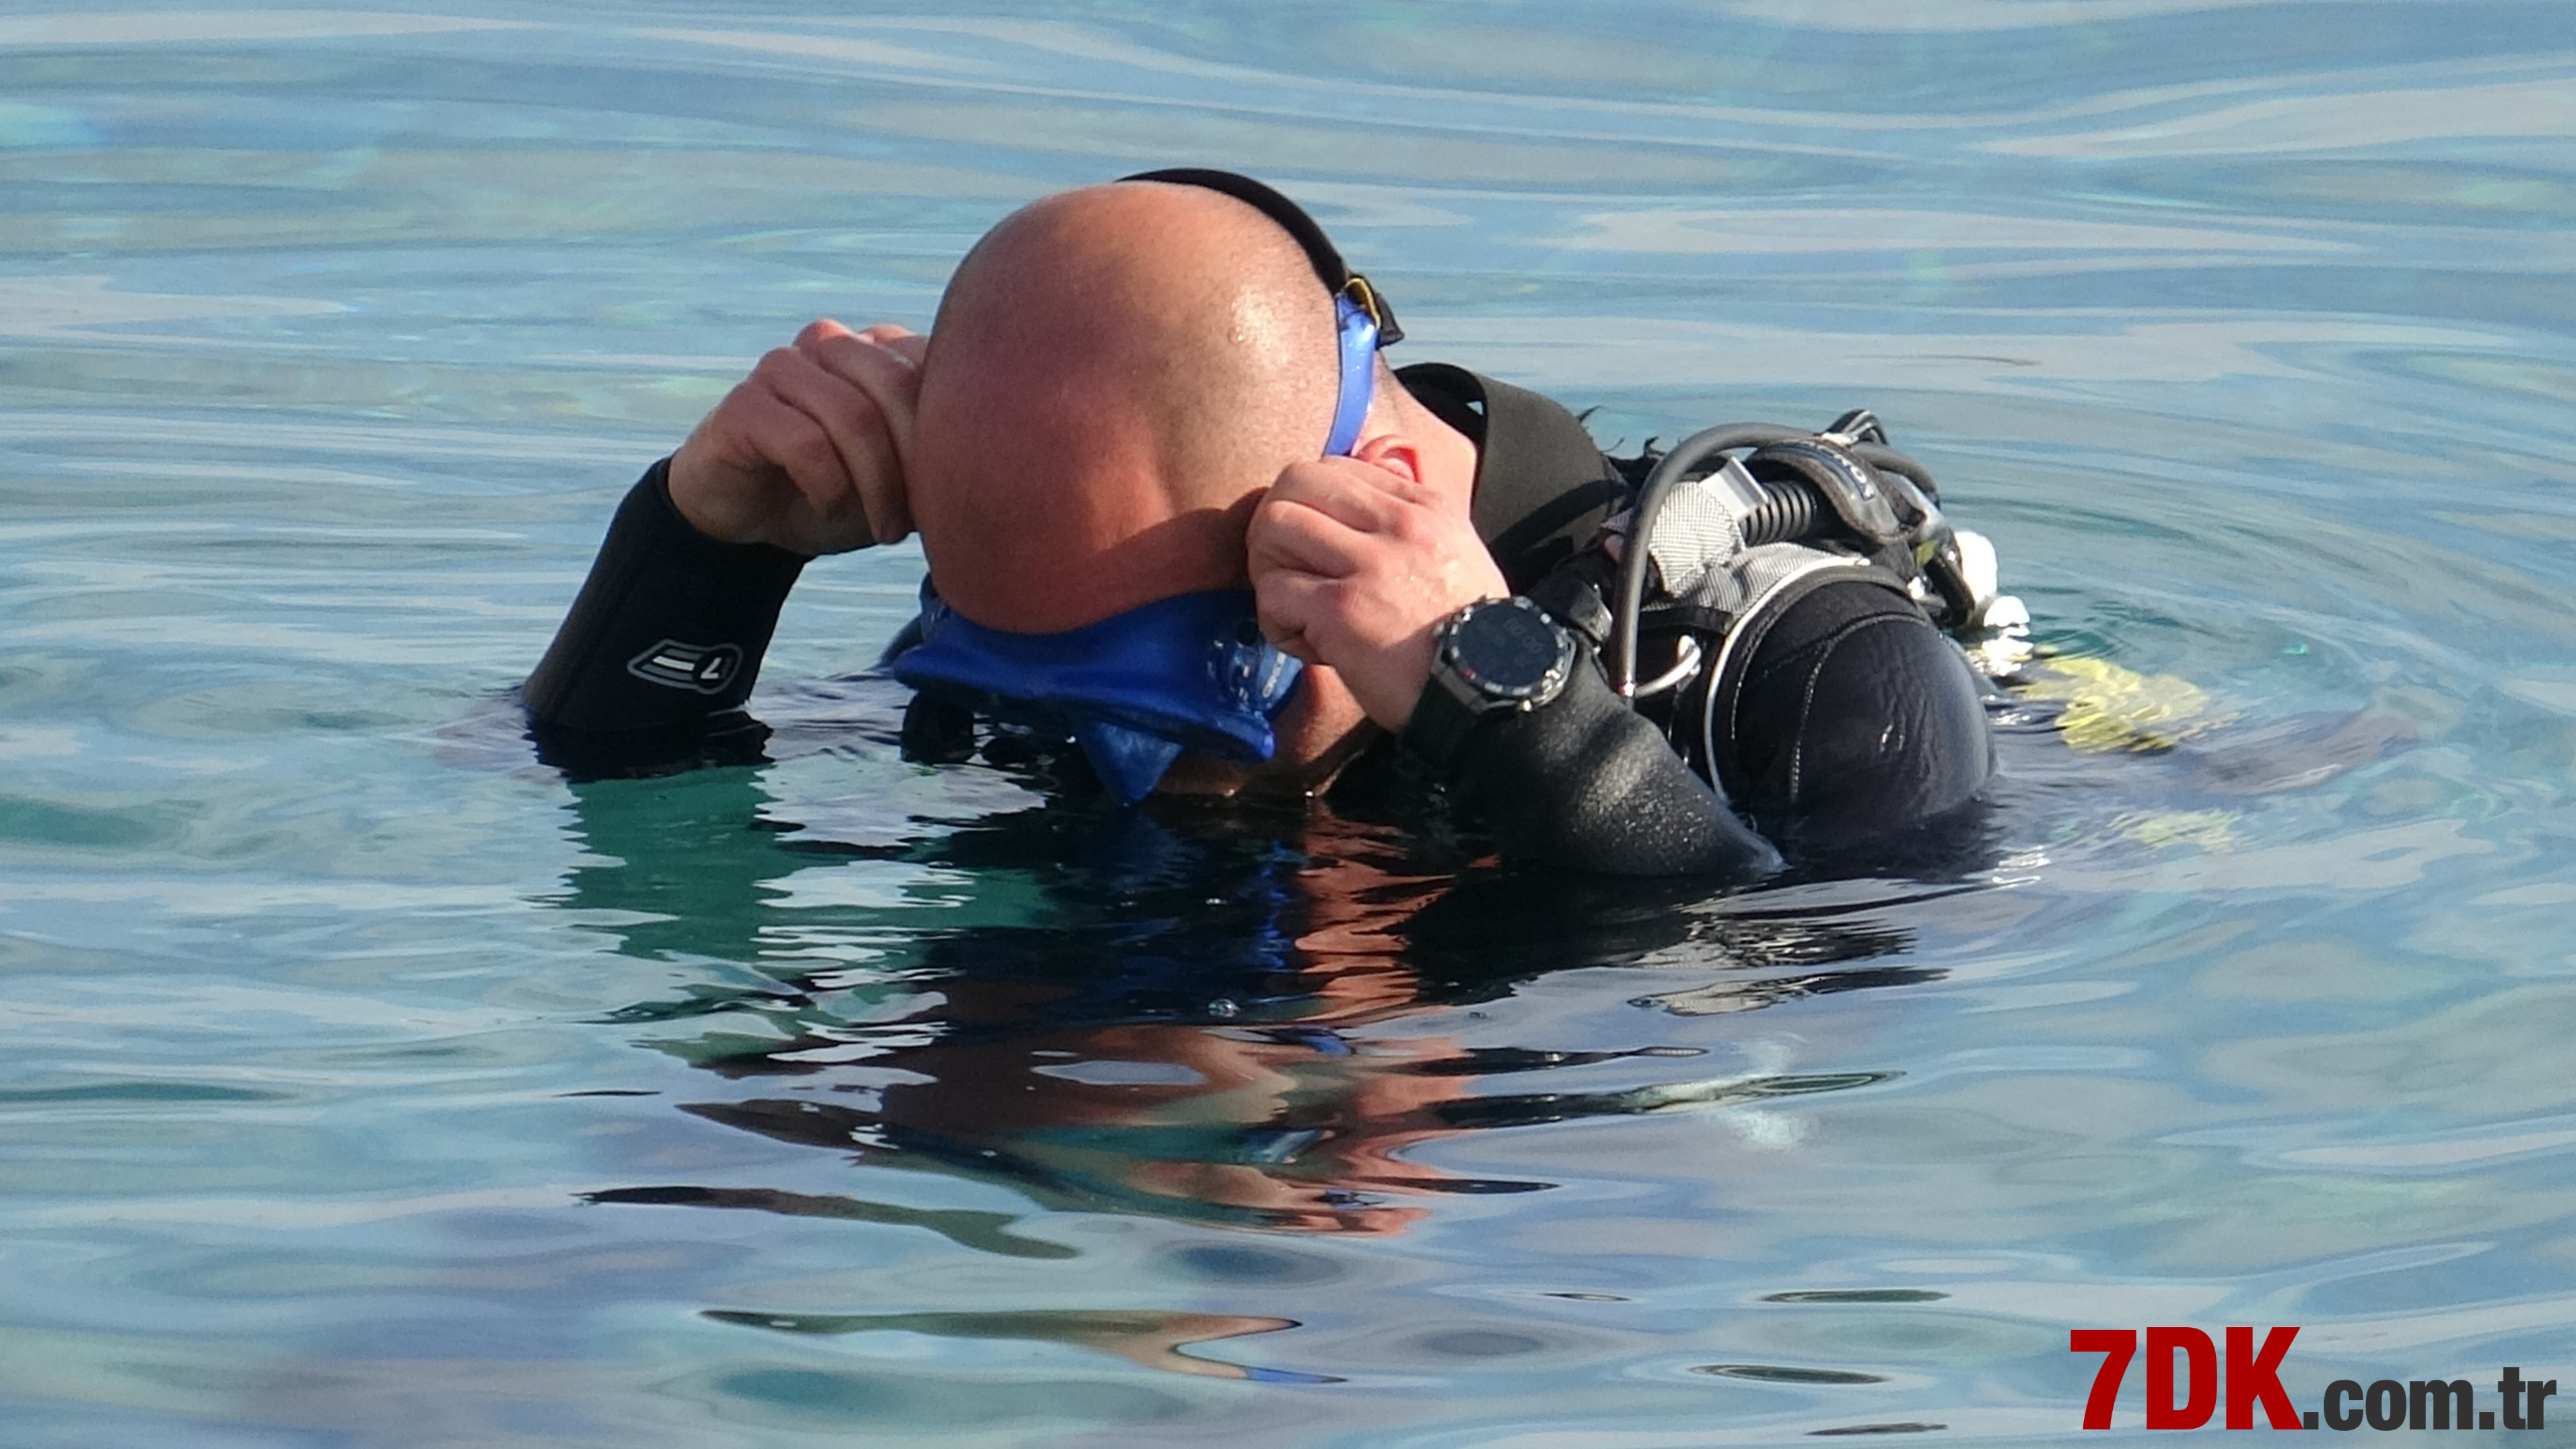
(368, 1084)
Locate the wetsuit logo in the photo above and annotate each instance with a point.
(702, 668)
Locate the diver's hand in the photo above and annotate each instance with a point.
(1355, 561)
(807, 453)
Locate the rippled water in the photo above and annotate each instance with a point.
(368, 1084)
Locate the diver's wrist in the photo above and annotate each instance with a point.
(1491, 659)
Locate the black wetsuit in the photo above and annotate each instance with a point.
(1855, 718)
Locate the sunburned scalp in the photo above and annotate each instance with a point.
(1115, 374)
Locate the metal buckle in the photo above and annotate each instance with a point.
(1365, 296)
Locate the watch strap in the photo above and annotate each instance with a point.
(1440, 725)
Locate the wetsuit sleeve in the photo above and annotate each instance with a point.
(1587, 783)
(669, 628)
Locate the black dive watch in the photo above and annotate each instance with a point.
(1495, 656)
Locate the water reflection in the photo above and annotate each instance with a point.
(1143, 1337)
(1234, 1016)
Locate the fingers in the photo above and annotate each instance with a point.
(808, 451)
(785, 436)
(1288, 535)
(910, 345)
(1354, 562)
(1335, 624)
(1360, 494)
(858, 452)
(883, 365)
(1329, 517)
(882, 334)
(1286, 604)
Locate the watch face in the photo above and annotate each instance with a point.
(1507, 650)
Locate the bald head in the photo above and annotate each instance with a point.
(1115, 375)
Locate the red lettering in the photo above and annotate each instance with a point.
(2253, 1378)
(2201, 1358)
(2118, 1345)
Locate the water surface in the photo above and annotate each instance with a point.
(371, 1084)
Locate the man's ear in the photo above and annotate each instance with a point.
(1394, 452)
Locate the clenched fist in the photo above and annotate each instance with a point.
(1355, 561)
(807, 453)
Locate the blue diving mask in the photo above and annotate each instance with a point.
(1190, 672)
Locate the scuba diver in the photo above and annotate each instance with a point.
(1185, 526)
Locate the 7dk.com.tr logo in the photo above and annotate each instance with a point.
(2187, 1400)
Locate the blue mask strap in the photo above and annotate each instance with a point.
(1358, 327)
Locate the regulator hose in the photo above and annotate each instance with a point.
(1790, 510)
(1668, 474)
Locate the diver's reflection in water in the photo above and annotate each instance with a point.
(1199, 1016)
